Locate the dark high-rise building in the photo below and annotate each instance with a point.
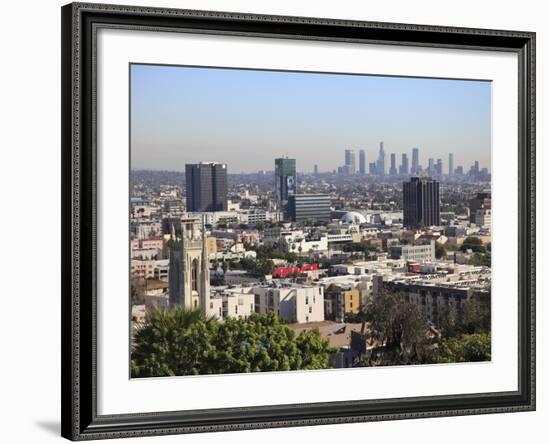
(309, 207)
(206, 186)
(350, 161)
(381, 162)
(415, 163)
(372, 168)
(362, 162)
(404, 168)
(451, 164)
(393, 168)
(285, 180)
(315, 169)
(421, 203)
(459, 171)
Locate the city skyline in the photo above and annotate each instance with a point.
(184, 115)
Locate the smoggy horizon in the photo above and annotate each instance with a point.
(247, 118)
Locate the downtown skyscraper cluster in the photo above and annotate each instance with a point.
(434, 167)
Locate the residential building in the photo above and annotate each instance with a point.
(294, 304)
(341, 301)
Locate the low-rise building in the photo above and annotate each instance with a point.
(294, 304)
(237, 303)
(418, 253)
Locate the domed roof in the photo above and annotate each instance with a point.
(353, 217)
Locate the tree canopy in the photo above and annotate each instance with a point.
(473, 243)
(467, 348)
(399, 327)
(176, 341)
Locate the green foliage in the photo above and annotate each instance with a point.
(400, 328)
(474, 317)
(181, 342)
(440, 250)
(270, 252)
(259, 267)
(468, 348)
(359, 247)
(481, 259)
(473, 243)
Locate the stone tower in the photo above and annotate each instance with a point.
(189, 272)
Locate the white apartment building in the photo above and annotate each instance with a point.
(417, 253)
(294, 304)
(235, 303)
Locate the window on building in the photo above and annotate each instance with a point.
(194, 275)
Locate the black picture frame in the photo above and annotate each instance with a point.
(80, 420)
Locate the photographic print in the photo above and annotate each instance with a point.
(275, 221)
(283, 221)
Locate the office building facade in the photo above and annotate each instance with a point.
(362, 162)
(415, 161)
(404, 168)
(285, 180)
(381, 162)
(206, 186)
(309, 207)
(421, 206)
(349, 161)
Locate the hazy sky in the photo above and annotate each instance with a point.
(246, 118)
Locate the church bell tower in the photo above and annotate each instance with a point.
(189, 269)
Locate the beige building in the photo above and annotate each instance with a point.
(483, 218)
(142, 269)
(189, 270)
(299, 304)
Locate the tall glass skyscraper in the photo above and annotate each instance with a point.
(393, 167)
(415, 162)
(362, 162)
(404, 169)
(421, 206)
(350, 161)
(206, 186)
(285, 180)
(381, 162)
